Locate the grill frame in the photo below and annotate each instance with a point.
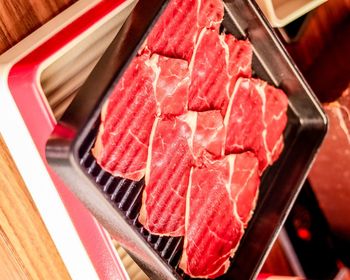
(68, 150)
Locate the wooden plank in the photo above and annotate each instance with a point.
(18, 18)
(26, 248)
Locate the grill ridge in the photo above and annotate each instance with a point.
(126, 195)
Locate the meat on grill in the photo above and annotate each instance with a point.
(168, 170)
(187, 115)
(148, 88)
(255, 120)
(123, 137)
(175, 146)
(244, 186)
(176, 31)
(170, 85)
(217, 62)
(218, 194)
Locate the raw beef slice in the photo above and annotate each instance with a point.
(175, 145)
(240, 53)
(171, 84)
(217, 62)
(168, 170)
(213, 227)
(176, 31)
(144, 91)
(126, 123)
(209, 135)
(255, 120)
(245, 183)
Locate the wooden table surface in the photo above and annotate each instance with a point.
(26, 248)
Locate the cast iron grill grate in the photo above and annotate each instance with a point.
(279, 186)
(126, 195)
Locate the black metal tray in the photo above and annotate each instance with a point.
(115, 202)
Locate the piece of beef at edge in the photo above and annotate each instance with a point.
(220, 200)
(123, 136)
(255, 120)
(217, 62)
(244, 185)
(145, 89)
(176, 31)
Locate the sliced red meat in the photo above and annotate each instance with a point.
(176, 31)
(217, 62)
(245, 185)
(168, 170)
(126, 123)
(209, 135)
(213, 228)
(176, 144)
(210, 14)
(240, 59)
(148, 88)
(255, 120)
(171, 84)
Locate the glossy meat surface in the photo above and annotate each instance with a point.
(123, 137)
(255, 120)
(213, 228)
(217, 62)
(176, 31)
(167, 177)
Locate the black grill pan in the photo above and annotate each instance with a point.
(116, 202)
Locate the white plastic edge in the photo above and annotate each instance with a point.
(270, 12)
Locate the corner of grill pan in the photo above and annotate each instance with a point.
(115, 202)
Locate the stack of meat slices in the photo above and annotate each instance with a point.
(198, 128)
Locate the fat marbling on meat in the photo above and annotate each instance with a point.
(210, 135)
(255, 120)
(171, 84)
(166, 182)
(176, 144)
(217, 62)
(221, 196)
(244, 188)
(176, 31)
(146, 90)
(122, 140)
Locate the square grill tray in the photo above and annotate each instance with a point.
(116, 202)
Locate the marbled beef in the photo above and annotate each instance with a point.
(123, 137)
(176, 144)
(217, 62)
(220, 200)
(147, 89)
(255, 120)
(176, 31)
